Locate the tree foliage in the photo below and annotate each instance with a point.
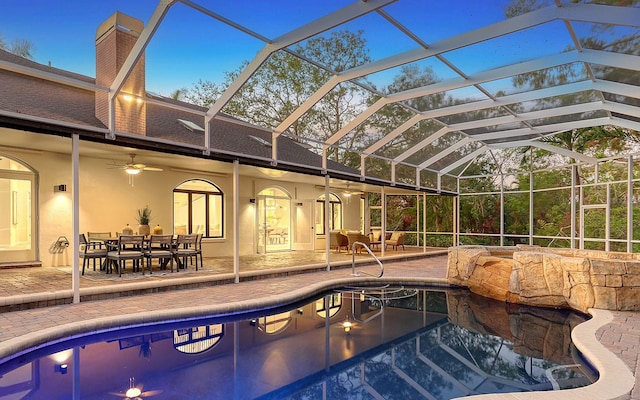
(284, 82)
(20, 47)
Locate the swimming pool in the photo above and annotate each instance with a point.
(386, 342)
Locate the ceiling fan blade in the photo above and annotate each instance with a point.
(150, 393)
(152, 169)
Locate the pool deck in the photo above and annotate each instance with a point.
(610, 339)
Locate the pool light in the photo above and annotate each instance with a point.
(133, 390)
(347, 326)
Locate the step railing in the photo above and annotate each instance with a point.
(353, 260)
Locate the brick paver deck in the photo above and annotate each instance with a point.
(621, 336)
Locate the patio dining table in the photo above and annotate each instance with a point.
(111, 243)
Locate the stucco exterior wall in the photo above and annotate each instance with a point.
(108, 202)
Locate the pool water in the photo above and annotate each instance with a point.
(355, 343)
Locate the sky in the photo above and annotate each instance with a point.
(190, 46)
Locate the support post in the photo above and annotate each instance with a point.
(75, 172)
(630, 204)
(383, 235)
(327, 239)
(607, 220)
(501, 209)
(573, 207)
(424, 222)
(236, 222)
(530, 207)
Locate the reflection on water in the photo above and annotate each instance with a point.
(394, 343)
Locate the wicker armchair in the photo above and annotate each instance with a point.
(338, 240)
(396, 240)
(358, 237)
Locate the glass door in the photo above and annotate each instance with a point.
(262, 225)
(274, 221)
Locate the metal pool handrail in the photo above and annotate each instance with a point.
(353, 260)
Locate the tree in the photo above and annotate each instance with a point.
(285, 81)
(178, 94)
(204, 93)
(19, 47)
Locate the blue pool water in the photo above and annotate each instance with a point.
(355, 343)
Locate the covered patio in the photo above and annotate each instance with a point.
(458, 147)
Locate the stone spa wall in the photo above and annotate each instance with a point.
(548, 277)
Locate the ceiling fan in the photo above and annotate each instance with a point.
(135, 392)
(346, 192)
(133, 168)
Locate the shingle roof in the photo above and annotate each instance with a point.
(32, 96)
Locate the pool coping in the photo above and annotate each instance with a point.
(615, 378)
(60, 297)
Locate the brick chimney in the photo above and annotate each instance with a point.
(115, 38)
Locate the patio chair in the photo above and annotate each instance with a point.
(130, 247)
(198, 250)
(185, 249)
(396, 240)
(160, 247)
(375, 237)
(338, 240)
(98, 237)
(358, 237)
(90, 251)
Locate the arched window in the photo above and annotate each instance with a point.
(273, 324)
(335, 214)
(199, 339)
(334, 305)
(198, 208)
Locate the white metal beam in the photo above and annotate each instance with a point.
(580, 12)
(611, 87)
(446, 152)
(310, 102)
(564, 152)
(464, 159)
(425, 142)
(336, 18)
(357, 121)
(620, 61)
(548, 113)
(136, 52)
(393, 134)
(515, 143)
(544, 129)
(224, 20)
(457, 109)
(622, 108)
(592, 56)
(625, 123)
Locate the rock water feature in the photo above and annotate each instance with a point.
(549, 277)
